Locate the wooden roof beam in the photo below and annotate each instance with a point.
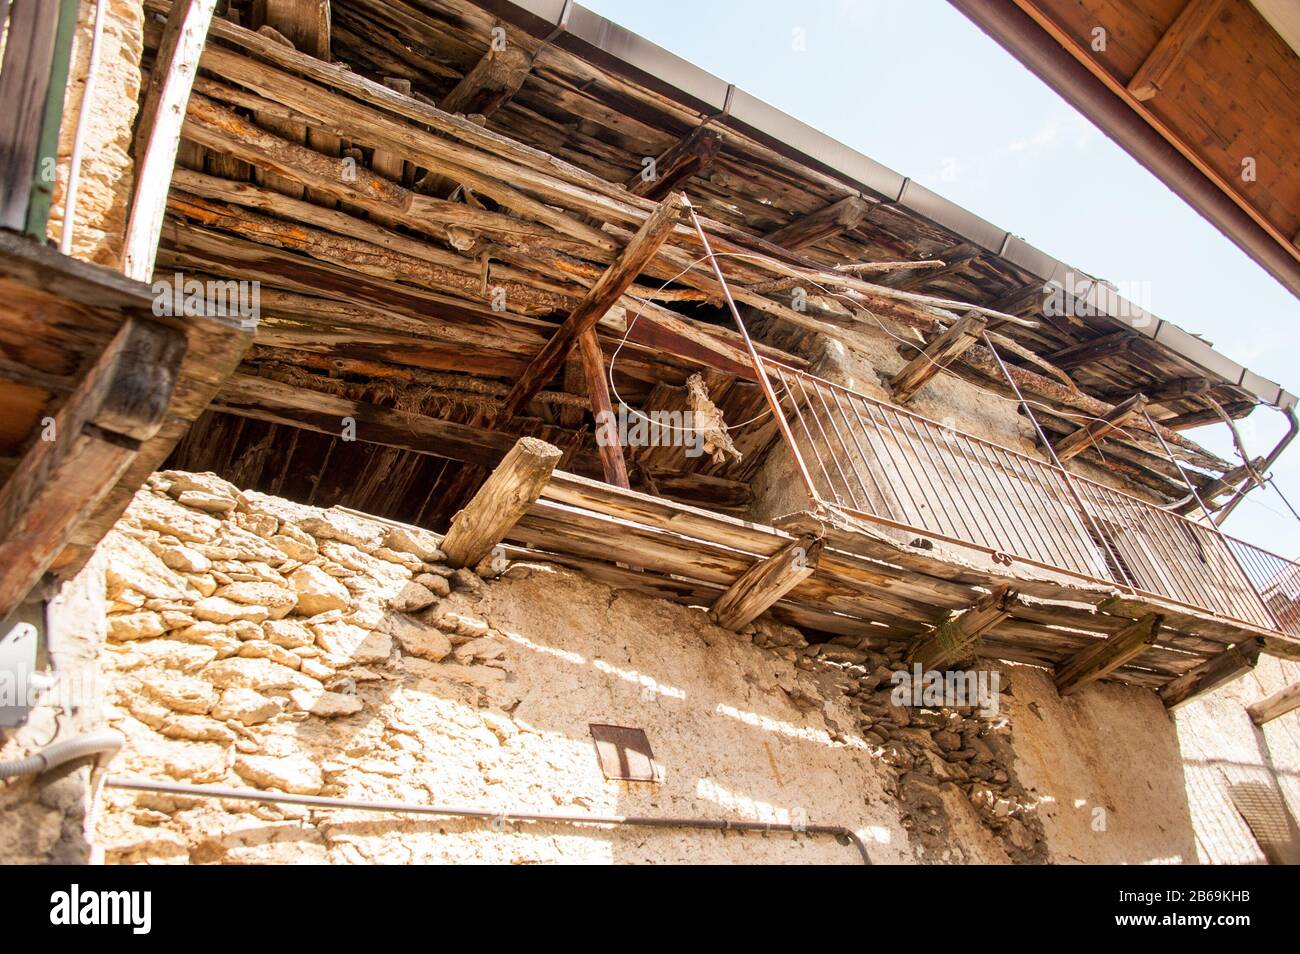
(1073, 444)
(120, 404)
(602, 296)
(693, 155)
(1105, 656)
(826, 222)
(1278, 704)
(1095, 349)
(955, 260)
(1228, 665)
(955, 639)
(940, 353)
(759, 587)
(492, 81)
(514, 486)
(1164, 58)
(607, 437)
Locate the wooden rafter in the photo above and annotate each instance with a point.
(1182, 35)
(1105, 656)
(941, 352)
(1278, 704)
(1080, 440)
(691, 156)
(955, 639)
(759, 587)
(491, 82)
(1095, 349)
(954, 259)
(159, 131)
(611, 450)
(826, 222)
(121, 403)
(599, 299)
(1228, 665)
(497, 506)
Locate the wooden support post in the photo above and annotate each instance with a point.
(692, 156)
(607, 439)
(1159, 66)
(159, 131)
(120, 403)
(940, 353)
(1105, 656)
(759, 587)
(1078, 441)
(504, 497)
(810, 229)
(493, 80)
(1278, 704)
(1228, 665)
(954, 639)
(611, 285)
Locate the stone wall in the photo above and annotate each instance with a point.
(107, 168)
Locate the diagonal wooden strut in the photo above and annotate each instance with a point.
(759, 587)
(1100, 660)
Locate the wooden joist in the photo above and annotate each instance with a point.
(826, 222)
(1278, 704)
(692, 156)
(599, 299)
(159, 132)
(955, 639)
(1179, 390)
(504, 497)
(766, 582)
(941, 352)
(121, 403)
(607, 433)
(1228, 665)
(1080, 440)
(1094, 349)
(491, 82)
(1105, 656)
(1182, 35)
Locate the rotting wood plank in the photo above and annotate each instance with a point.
(1232, 662)
(941, 352)
(765, 582)
(1105, 656)
(491, 82)
(598, 300)
(121, 403)
(956, 639)
(161, 120)
(691, 156)
(497, 506)
(825, 223)
(1090, 433)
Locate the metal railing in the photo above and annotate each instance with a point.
(896, 469)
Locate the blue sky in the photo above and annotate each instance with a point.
(916, 86)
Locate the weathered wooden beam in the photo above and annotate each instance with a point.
(954, 639)
(120, 403)
(941, 352)
(492, 81)
(504, 497)
(1087, 435)
(1228, 665)
(759, 587)
(1105, 656)
(159, 132)
(1278, 704)
(830, 220)
(1178, 390)
(954, 259)
(1182, 35)
(1206, 416)
(607, 438)
(691, 156)
(1095, 349)
(599, 299)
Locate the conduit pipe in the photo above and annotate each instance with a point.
(841, 834)
(104, 743)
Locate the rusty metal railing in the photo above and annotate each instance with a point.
(899, 470)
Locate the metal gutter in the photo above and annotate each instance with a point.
(609, 46)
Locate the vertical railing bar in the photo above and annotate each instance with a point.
(948, 460)
(894, 455)
(812, 444)
(845, 447)
(882, 453)
(1011, 523)
(920, 485)
(949, 507)
(825, 443)
(1029, 540)
(862, 454)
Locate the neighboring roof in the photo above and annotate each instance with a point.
(607, 45)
